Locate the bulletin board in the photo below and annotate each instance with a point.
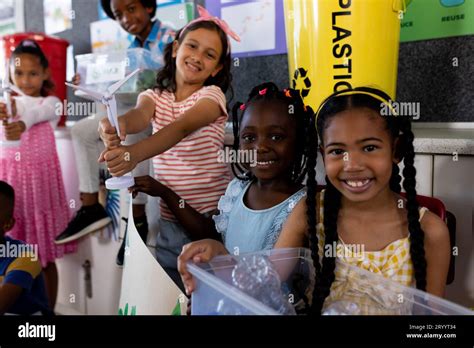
(435, 19)
(260, 25)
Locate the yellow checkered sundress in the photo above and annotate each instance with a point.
(362, 295)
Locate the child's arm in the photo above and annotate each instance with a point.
(76, 79)
(132, 122)
(437, 253)
(9, 294)
(50, 109)
(124, 158)
(196, 224)
(293, 235)
(294, 231)
(13, 129)
(19, 275)
(200, 251)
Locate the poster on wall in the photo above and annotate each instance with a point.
(174, 14)
(259, 23)
(107, 35)
(434, 19)
(57, 16)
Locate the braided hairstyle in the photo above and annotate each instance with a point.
(399, 128)
(302, 114)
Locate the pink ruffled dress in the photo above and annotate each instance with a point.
(33, 169)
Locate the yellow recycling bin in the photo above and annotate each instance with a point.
(342, 44)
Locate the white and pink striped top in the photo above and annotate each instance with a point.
(191, 167)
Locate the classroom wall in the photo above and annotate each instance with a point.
(426, 72)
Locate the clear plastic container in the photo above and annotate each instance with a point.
(215, 293)
(360, 292)
(363, 292)
(100, 70)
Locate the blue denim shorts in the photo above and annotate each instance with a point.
(169, 243)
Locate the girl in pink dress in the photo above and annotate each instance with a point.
(32, 167)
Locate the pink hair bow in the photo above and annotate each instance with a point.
(204, 15)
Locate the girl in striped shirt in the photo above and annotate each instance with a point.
(188, 112)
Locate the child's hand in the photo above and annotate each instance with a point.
(3, 113)
(120, 160)
(76, 79)
(148, 185)
(108, 133)
(200, 251)
(3, 110)
(14, 130)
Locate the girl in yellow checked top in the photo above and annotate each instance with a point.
(188, 112)
(361, 205)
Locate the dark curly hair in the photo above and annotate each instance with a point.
(304, 126)
(166, 80)
(7, 191)
(145, 3)
(399, 127)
